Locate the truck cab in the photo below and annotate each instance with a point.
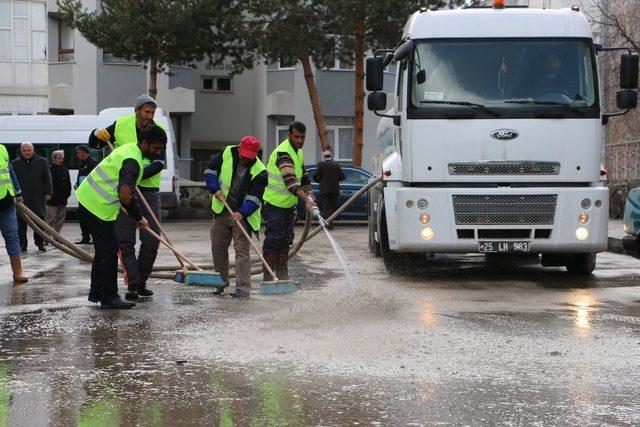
(496, 125)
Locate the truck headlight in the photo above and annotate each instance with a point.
(424, 218)
(585, 203)
(582, 233)
(422, 204)
(583, 218)
(427, 233)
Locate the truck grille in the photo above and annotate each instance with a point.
(505, 168)
(505, 210)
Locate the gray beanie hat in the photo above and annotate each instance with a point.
(143, 99)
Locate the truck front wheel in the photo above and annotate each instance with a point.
(395, 262)
(581, 264)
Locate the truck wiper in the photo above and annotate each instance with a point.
(534, 102)
(466, 104)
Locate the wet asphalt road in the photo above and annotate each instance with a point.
(460, 340)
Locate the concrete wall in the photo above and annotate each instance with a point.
(224, 118)
(336, 90)
(180, 77)
(129, 79)
(280, 80)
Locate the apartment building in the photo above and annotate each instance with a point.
(23, 57)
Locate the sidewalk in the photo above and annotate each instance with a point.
(616, 233)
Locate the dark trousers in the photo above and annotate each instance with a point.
(138, 268)
(278, 235)
(84, 228)
(104, 270)
(22, 234)
(329, 204)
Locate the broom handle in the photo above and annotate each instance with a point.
(153, 216)
(255, 247)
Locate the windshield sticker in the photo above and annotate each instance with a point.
(433, 96)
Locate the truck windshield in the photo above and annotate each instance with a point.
(490, 78)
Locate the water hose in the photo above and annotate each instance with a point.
(161, 272)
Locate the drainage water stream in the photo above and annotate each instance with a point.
(342, 257)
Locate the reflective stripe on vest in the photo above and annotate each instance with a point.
(125, 133)
(226, 175)
(276, 192)
(6, 185)
(98, 192)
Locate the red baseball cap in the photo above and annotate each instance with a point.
(249, 147)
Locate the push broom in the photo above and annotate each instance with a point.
(276, 286)
(189, 278)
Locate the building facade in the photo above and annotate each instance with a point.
(23, 57)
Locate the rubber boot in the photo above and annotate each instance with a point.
(16, 267)
(282, 265)
(270, 257)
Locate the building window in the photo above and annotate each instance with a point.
(65, 43)
(287, 64)
(341, 139)
(282, 133)
(112, 59)
(334, 60)
(217, 84)
(23, 43)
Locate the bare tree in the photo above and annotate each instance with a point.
(618, 24)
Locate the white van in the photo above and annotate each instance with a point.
(50, 133)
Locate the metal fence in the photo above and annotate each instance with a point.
(623, 161)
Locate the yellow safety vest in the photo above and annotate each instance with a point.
(125, 133)
(98, 192)
(276, 192)
(6, 185)
(226, 175)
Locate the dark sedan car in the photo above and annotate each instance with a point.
(355, 179)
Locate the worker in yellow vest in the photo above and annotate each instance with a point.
(238, 177)
(288, 183)
(126, 130)
(110, 186)
(9, 193)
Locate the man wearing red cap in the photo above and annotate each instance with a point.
(239, 177)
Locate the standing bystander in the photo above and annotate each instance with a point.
(35, 180)
(328, 174)
(57, 205)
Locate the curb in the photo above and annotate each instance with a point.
(615, 245)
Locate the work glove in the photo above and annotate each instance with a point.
(102, 134)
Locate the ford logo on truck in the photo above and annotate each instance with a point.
(504, 134)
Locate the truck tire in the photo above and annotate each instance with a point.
(581, 264)
(374, 247)
(395, 262)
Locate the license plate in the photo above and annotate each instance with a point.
(503, 246)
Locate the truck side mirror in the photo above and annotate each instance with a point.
(628, 71)
(627, 99)
(421, 77)
(377, 101)
(404, 51)
(375, 74)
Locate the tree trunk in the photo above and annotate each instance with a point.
(153, 78)
(358, 121)
(303, 56)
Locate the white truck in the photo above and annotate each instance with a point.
(495, 137)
